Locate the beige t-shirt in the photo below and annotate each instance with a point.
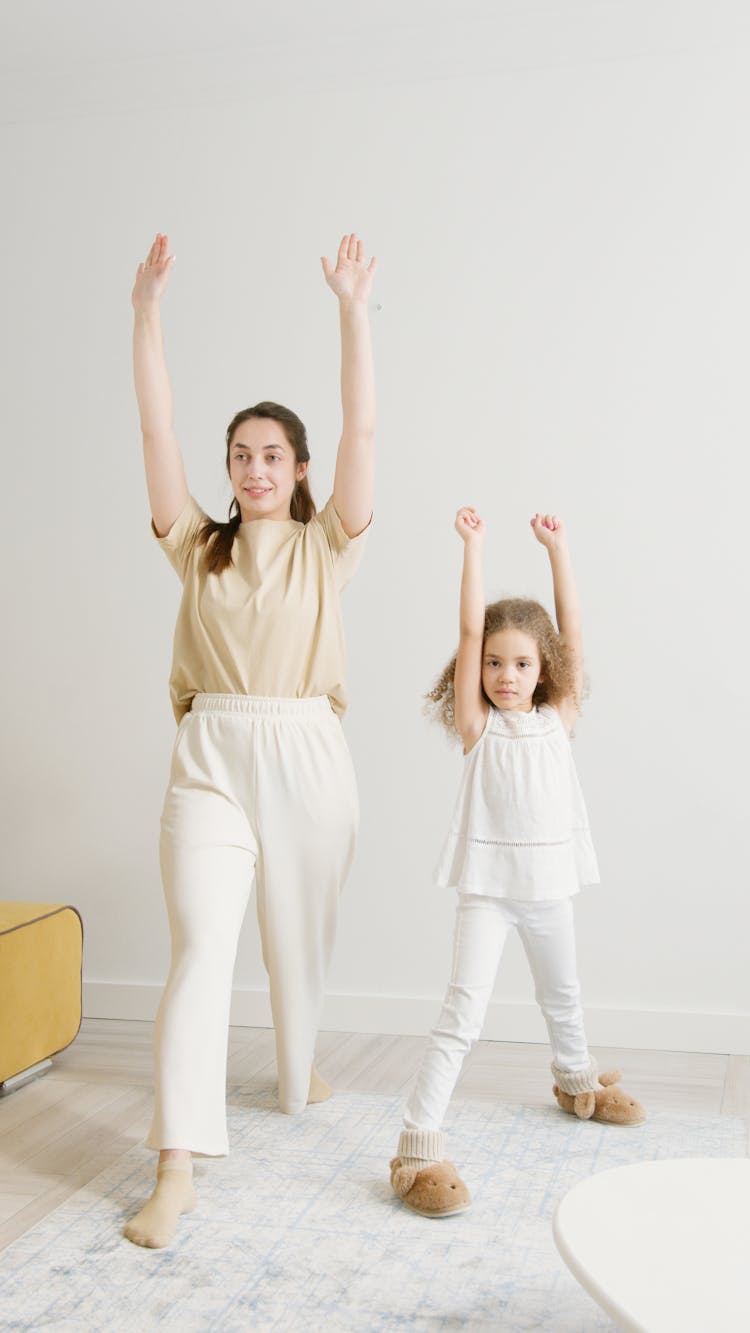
(270, 624)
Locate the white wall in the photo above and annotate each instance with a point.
(560, 207)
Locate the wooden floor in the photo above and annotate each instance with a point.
(95, 1103)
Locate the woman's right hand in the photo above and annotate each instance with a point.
(469, 526)
(152, 277)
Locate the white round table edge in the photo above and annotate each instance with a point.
(625, 1319)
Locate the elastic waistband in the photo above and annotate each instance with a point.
(254, 705)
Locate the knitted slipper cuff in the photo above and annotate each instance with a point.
(418, 1147)
(583, 1080)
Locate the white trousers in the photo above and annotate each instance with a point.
(482, 925)
(263, 787)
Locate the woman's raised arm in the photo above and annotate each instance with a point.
(165, 474)
(354, 482)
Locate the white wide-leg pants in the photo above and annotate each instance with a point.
(265, 787)
(482, 925)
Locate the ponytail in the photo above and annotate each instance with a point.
(219, 553)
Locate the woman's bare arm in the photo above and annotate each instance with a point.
(165, 473)
(354, 482)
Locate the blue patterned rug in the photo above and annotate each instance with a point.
(298, 1228)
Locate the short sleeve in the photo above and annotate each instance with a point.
(179, 542)
(346, 551)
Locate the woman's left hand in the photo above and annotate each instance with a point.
(351, 279)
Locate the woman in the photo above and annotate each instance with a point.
(261, 783)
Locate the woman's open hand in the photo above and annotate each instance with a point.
(351, 279)
(152, 277)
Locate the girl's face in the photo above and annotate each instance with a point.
(263, 469)
(511, 669)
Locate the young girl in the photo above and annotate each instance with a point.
(518, 848)
(262, 783)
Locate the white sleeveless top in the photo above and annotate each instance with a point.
(519, 827)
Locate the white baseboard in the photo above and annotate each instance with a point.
(643, 1029)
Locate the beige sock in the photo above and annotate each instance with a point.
(421, 1147)
(155, 1225)
(319, 1089)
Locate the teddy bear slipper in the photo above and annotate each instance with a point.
(608, 1104)
(435, 1191)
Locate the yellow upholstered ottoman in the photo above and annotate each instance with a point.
(41, 947)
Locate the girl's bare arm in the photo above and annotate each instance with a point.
(471, 707)
(550, 531)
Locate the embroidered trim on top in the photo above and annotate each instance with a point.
(518, 735)
(514, 842)
(541, 721)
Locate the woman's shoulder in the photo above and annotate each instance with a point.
(179, 544)
(326, 532)
(327, 522)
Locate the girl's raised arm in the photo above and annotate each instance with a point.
(165, 474)
(354, 481)
(550, 531)
(471, 706)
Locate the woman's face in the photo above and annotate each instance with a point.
(263, 469)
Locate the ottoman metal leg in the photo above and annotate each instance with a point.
(25, 1076)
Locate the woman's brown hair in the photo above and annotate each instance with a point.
(522, 613)
(302, 507)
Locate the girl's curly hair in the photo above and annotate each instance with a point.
(557, 665)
